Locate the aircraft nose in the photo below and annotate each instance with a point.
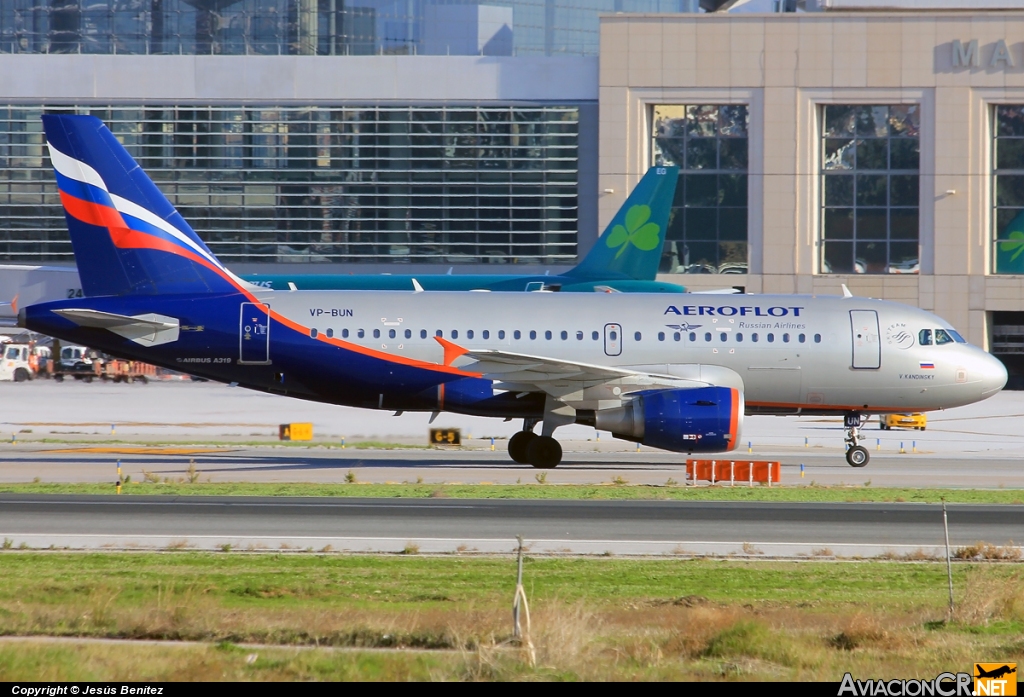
(993, 375)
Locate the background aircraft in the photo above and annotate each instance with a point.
(625, 258)
(673, 372)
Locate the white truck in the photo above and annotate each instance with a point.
(17, 363)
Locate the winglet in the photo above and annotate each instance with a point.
(451, 351)
(416, 287)
(846, 292)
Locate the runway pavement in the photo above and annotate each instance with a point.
(580, 527)
(975, 446)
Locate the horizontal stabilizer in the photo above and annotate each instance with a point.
(145, 330)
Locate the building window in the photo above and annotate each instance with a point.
(707, 229)
(1008, 189)
(318, 184)
(870, 162)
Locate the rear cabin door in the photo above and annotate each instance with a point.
(867, 349)
(612, 339)
(254, 334)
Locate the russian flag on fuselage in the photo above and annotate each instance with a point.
(148, 247)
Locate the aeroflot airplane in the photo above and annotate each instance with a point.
(670, 371)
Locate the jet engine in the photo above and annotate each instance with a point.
(696, 420)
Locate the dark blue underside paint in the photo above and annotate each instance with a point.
(300, 366)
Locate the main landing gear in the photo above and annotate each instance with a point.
(856, 454)
(543, 451)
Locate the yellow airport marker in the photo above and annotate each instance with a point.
(492, 444)
(902, 450)
(119, 476)
(878, 443)
(750, 447)
(343, 442)
(113, 429)
(805, 442)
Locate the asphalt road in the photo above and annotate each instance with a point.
(437, 525)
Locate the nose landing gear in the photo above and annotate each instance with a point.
(856, 454)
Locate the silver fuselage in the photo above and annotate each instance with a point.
(811, 354)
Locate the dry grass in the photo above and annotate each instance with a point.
(985, 551)
(985, 599)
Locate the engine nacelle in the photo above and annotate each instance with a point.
(698, 420)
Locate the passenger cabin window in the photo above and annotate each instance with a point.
(754, 337)
(661, 336)
(693, 336)
(517, 334)
(941, 337)
(594, 335)
(707, 336)
(579, 336)
(924, 337)
(408, 333)
(501, 333)
(312, 334)
(677, 336)
(771, 338)
(392, 334)
(739, 336)
(360, 333)
(564, 335)
(344, 333)
(636, 336)
(547, 335)
(785, 337)
(438, 332)
(486, 334)
(330, 333)
(455, 334)
(723, 336)
(802, 338)
(423, 333)
(469, 334)
(613, 336)
(376, 333)
(533, 335)
(817, 338)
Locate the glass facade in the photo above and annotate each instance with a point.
(870, 160)
(1008, 188)
(313, 27)
(707, 231)
(438, 184)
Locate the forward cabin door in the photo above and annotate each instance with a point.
(867, 349)
(254, 334)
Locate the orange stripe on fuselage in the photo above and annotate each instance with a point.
(124, 237)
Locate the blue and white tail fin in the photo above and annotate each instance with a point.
(127, 237)
(631, 245)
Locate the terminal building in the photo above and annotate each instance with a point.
(873, 143)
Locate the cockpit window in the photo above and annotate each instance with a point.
(956, 336)
(941, 337)
(924, 337)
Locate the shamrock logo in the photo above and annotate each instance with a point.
(1015, 242)
(642, 234)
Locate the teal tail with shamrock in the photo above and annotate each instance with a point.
(630, 246)
(1010, 246)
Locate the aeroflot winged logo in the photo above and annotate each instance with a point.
(641, 234)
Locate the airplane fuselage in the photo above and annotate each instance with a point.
(788, 354)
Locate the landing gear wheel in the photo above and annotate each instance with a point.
(544, 452)
(518, 444)
(857, 456)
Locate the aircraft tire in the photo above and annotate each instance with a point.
(518, 444)
(858, 456)
(544, 452)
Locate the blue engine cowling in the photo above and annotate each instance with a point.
(697, 420)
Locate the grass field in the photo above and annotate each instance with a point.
(449, 617)
(534, 490)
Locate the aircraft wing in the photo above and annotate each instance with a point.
(584, 385)
(147, 330)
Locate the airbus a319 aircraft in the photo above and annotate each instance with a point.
(676, 372)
